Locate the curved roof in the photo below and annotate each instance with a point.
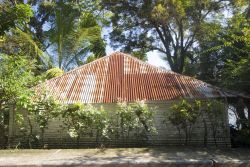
(121, 76)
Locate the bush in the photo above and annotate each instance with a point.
(84, 119)
(54, 72)
(133, 117)
(183, 115)
(41, 108)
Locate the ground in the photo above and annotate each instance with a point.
(126, 157)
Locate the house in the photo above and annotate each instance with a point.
(121, 76)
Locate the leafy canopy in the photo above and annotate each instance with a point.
(14, 16)
(16, 77)
(168, 26)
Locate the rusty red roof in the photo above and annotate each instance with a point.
(121, 76)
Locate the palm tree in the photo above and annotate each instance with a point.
(74, 36)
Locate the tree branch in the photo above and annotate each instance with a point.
(168, 53)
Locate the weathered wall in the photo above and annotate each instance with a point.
(167, 134)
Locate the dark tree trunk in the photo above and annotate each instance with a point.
(30, 133)
(205, 132)
(179, 133)
(214, 129)
(78, 141)
(240, 106)
(186, 136)
(1, 128)
(2, 138)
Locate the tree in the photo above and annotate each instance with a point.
(224, 60)
(80, 120)
(183, 116)
(15, 36)
(55, 33)
(237, 47)
(41, 107)
(169, 26)
(134, 117)
(16, 78)
(73, 31)
(227, 51)
(215, 111)
(13, 16)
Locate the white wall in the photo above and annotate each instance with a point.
(167, 134)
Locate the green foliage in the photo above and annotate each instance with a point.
(75, 35)
(237, 51)
(225, 57)
(91, 58)
(62, 33)
(134, 117)
(140, 55)
(145, 115)
(168, 26)
(84, 119)
(54, 72)
(184, 115)
(14, 16)
(16, 78)
(45, 107)
(15, 37)
(214, 110)
(41, 108)
(18, 42)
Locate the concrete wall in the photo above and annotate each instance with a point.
(167, 134)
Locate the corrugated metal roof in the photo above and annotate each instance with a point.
(121, 76)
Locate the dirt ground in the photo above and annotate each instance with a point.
(124, 156)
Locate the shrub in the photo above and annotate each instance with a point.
(214, 110)
(84, 119)
(41, 108)
(183, 115)
(54, 72)
(134, 117)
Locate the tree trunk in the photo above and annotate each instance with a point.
(189, 132)
(30, 133)
(240, 106)
(78, 141)
(214, 129)
(179, 133)
(60, 35)
(186, 137)
(2, 132)
(42, 137)
(205, 132)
